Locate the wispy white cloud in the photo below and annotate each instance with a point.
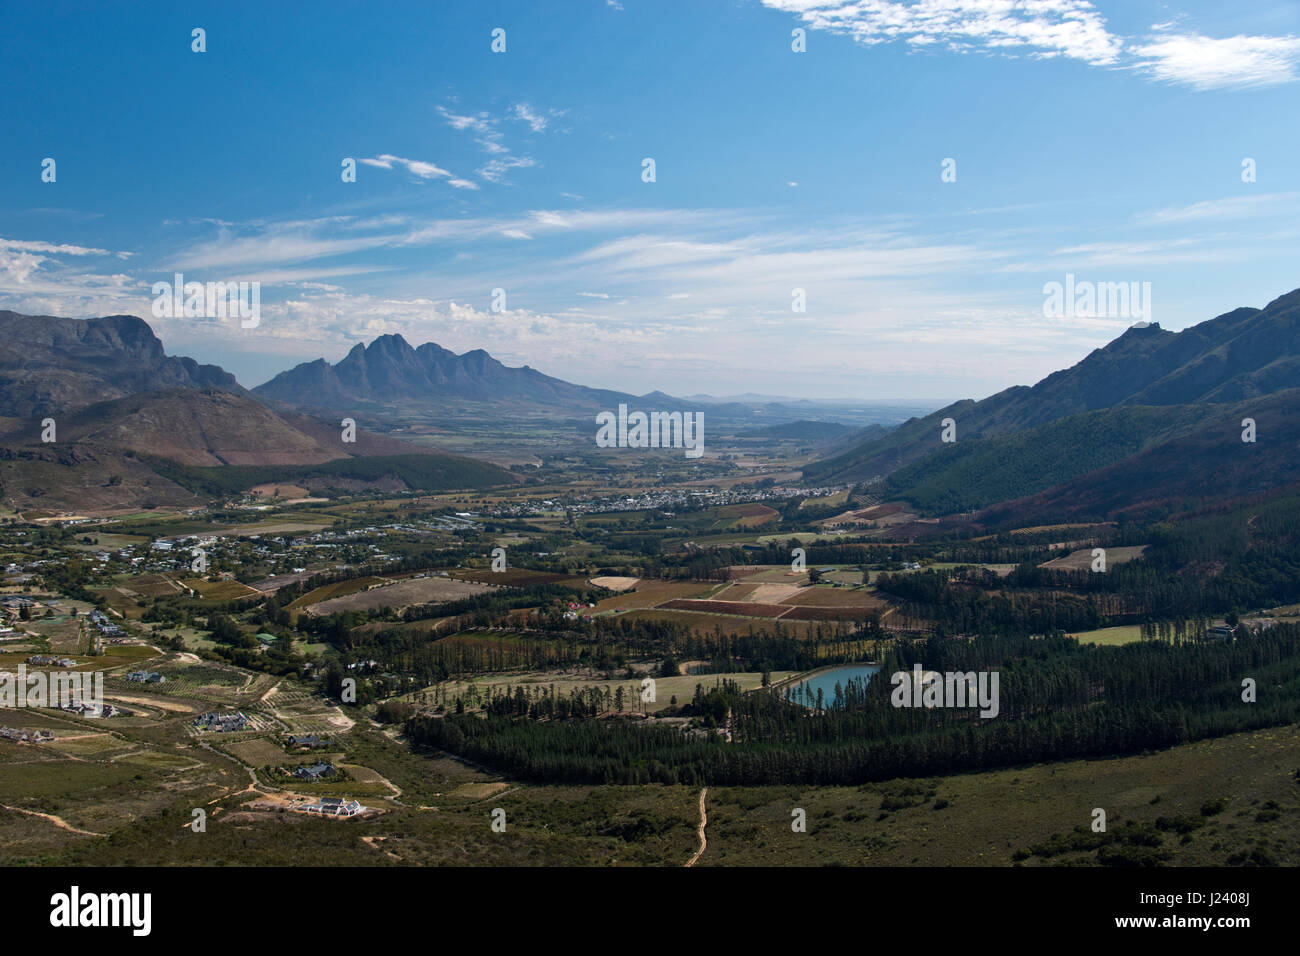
(1046, 29)
(420, 168)
(1039, 28)
(494, 170)
(1207, 63)
(60, 249)
(228, 251)
(537, 120)
(1232, 207)
(491, 138)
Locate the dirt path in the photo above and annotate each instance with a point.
(59, 822)
(704, 821)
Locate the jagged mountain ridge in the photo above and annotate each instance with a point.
(389, 370)
(1241, 354)
(51, 365)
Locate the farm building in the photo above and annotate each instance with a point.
(315, 771)
(221, 723)
(146, 677)
(334, 807)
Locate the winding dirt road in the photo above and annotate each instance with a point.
(59, 822)
(704, 821)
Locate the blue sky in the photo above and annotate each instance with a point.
(1100, 139)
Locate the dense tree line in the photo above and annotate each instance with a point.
(1058, 700)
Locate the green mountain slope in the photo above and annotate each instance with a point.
(1238, 355)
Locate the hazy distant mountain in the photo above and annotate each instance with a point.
(50, 365)
(746, 398)
(1092, 437)
(389, 370)
(389, 374)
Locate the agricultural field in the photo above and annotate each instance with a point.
(337, 589)
(843, 612)
(823, 596)
(615, 583)
(517, 577)
(650, 592)
(1125, 634)
(844, 576)
(839, 498)
(151, 585)
(1082, 559)
(400, 594)
(768, 572)
(706, 624)
(266, 752)
(739, 608)
(750, 516)
(220, 590)
(188, 677)
(301, 712)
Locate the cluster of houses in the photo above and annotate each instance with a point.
(14, 574)
(146, 677)
(106, 627)
(49, 660)
(16, 602)
(222, 723)
(32, 736)
(317, 771)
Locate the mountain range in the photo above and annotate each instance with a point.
(132, 426)
(1112, 419)
(389, 370)
(1152, 418)
(50, 365)
(390, 375)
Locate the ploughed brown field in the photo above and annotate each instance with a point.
(650, 592)
(834, 597)
(752, 515)
(516, 577)
(844, 613)
(1082, 559)
(742, 608)
(701, 624)
(432, 590)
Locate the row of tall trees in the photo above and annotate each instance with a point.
(1057, 700)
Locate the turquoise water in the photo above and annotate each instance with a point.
(827, 680)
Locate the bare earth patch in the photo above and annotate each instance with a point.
(772, 593)
(615, 583)
(431, 590)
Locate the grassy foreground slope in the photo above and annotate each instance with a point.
(1237, 798)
